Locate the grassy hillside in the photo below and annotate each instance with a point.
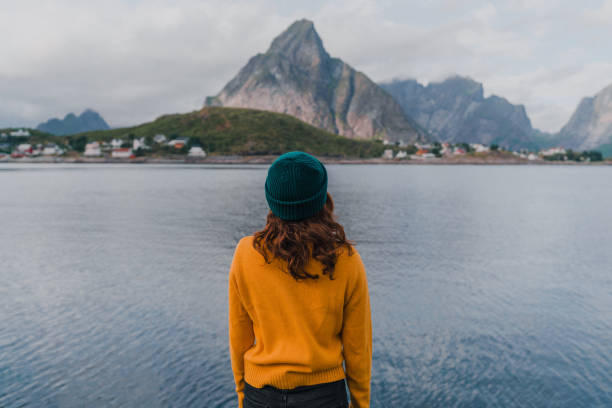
(243, 132)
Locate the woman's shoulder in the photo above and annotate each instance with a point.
(245, 243)
(246, 240)
(348, 254)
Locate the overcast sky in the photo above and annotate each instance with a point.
(134, 60)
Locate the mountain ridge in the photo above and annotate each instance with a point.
(590, 126)
(298, 77)
(72, 124)
(455, 110)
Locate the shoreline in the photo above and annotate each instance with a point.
(268, 159)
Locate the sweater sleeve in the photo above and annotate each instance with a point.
(241, 336)
(357, 338)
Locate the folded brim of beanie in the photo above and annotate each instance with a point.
(298, 210)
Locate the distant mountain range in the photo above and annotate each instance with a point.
(298, 77)
(71, 124)
(455, 110)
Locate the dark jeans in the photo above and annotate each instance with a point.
(328, 395)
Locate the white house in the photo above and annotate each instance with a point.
(553, 151)
(196, 151)
(93, 149)
(179, 142)
(121, 153)
(388, 154)
(24, 148)
(401, 154)
(479, 148)
(20, 133)
(139, 144)
(160, 138)
(52, 150)
(116, 143)
(532, 156)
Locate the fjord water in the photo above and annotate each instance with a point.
(490, 286)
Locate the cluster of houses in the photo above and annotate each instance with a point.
(429, 151)
(116, 148)
(120, 149)
(27, 149)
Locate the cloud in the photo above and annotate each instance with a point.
(134, 60)
(131, 61)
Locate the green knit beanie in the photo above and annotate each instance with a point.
(296, 186)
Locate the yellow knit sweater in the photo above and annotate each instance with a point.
(286, 333)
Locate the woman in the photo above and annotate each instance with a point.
(298, 300)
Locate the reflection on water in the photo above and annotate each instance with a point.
(490, 286)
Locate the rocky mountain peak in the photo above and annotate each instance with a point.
(297, 76)
(591, 124)
(300, 43)
(462, 86)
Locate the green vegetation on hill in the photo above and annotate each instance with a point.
(237, 131)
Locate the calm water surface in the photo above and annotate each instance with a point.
(490, 286)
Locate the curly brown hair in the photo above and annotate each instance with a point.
(295, 242)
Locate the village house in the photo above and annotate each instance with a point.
(116, 143)
(92, 149)
(25, 148)
(196, 151)
(52, 150)
(401, 154)
(179, 142)
(139, 144)
(160, 138)
(388, 154)
(20, 133)
(423, 155)
(479, 148)
(122, 153)
(553, 151)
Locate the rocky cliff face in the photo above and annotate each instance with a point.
(86, 121)
(591, 124)
(297, 76)
(456, 110)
